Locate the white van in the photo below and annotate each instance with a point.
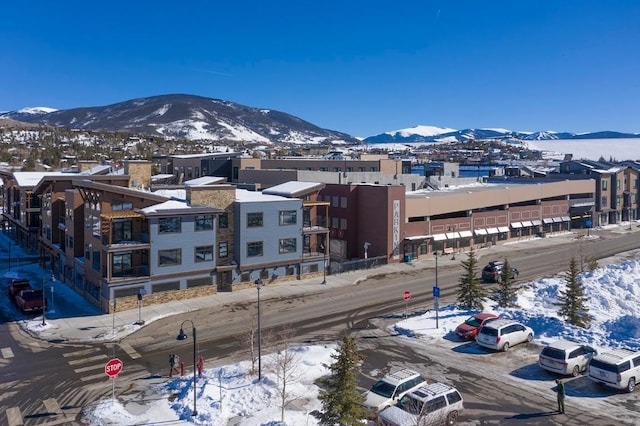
(616, 368)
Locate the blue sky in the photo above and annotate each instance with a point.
(361, 67)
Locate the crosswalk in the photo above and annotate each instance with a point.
(89, 386)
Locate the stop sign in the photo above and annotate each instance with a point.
(113, 368)
(406, 295)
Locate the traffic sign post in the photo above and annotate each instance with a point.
(406, 296)
(112, 368)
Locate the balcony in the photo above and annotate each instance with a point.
(125, 240)
(316, 225)
(129, 273)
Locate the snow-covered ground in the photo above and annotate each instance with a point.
(232, 392)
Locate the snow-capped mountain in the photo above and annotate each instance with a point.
(187, 117)
(443, 134)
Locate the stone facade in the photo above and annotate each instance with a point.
(139, 173)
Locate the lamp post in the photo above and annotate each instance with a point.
(324, 268)
(258, 283)
(436, 290)
(44, 301)
(183, 336)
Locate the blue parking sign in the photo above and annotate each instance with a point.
(436, 292)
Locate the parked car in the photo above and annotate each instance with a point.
(501, 334)
(566, 357)
(388, 390)
(493, 271)
(469, 329)
(16, 285)
(432, 404)
(616, 368)
(30, 301)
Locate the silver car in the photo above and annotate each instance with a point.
(502, 334)
(566, 357)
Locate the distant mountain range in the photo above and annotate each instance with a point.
(186, 117)
(193, 117)
(438, 134)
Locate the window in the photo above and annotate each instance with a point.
(223, 220)
(167, 225)
(288, 217)
(254, 249)
(223, 249)
(454, 397)
(288, 245)
(254, 220)
(204, 254)
(169, 257)
(121, 205)
(96, 260)
(603, 201)
(121, 230)
(70, 242)
(343, 202)
(435, 404)
(121, 265)
(204, 222)
(603, 183)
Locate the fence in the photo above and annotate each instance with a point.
(338, 267)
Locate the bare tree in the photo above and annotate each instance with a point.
(285, 364)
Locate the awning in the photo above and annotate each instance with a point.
(121, 214)
(536, 222)
(452, 235)
(466, 234)
(547, 220)
(480, 231)
(417, 237)
(557, 219)
(439, 237)
(516, 224)
(503, 228)
(492, 230)
(527, 223)
(566, 219)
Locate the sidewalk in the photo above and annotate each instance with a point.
(78, 321)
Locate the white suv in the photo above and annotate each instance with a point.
(501, 334)
(566, 357)
(616, 368)
(435, 403)
(393, 386)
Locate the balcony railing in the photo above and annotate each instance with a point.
(130, 272)
(129, 239)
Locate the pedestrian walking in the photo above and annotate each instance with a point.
(174, 361)
(560, 395)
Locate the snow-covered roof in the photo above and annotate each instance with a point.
(180, 194)
(99, 169)
(27, 179)
(167, 205)
(245, 196)
(161, 176)
(205, 180)
(293, 188)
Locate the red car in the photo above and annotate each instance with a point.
(468, 329)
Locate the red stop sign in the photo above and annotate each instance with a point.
(113, 368)
(406, 295)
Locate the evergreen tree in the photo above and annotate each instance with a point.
(506, 293)
(572, 300)
(341, 401)
(470, 291)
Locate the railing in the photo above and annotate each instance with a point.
(130, 272)
(356, 265)
(133, 238)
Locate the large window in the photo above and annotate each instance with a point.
(223, 220)
(288, 245)
(169, 257)
(254, 249)
(204, 222)
(254, 220)
(288, 217)
(121, 205)
(121, 230)
(223, 249)
(96, 260)
(204, 254)
(167, 225)
(121, 265)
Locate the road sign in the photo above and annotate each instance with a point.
(113, 368)
(407, 295)
(436, 292)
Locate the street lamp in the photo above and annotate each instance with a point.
(324, 268)
(183, 336)
(258, 283)
(436, 290)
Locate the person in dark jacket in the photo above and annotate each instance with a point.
(560, 394)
